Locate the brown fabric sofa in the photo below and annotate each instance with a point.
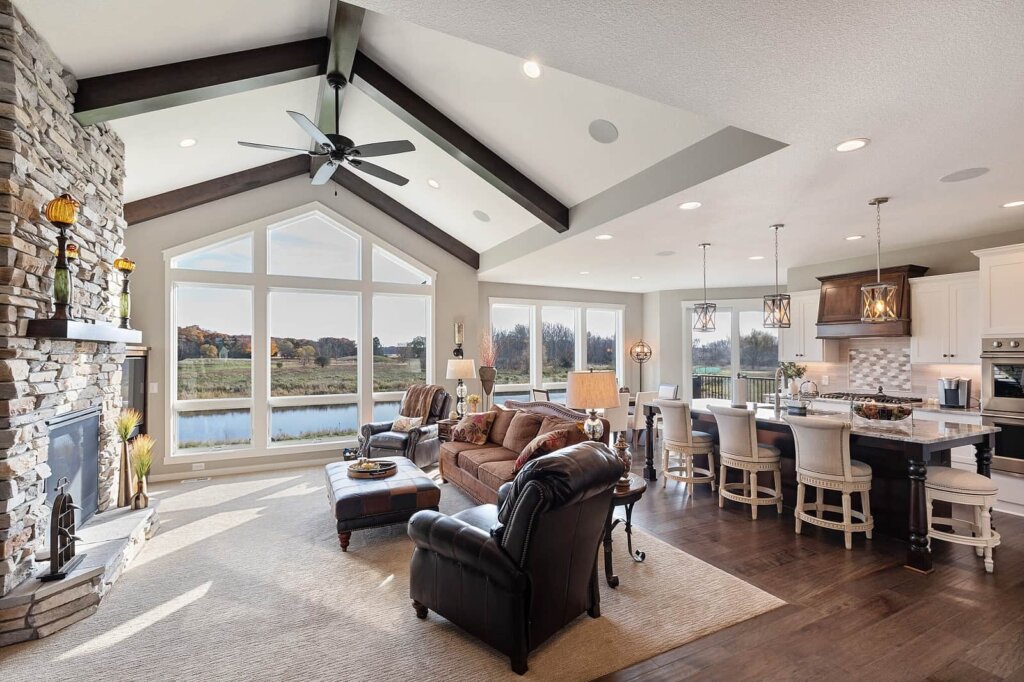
(480, 470)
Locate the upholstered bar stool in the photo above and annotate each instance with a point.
(680, 439)
(823, 462)
(738, 449)
(969, 489)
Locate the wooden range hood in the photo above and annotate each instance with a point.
(839, 307)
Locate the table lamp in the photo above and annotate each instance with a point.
(592, 391)
(461, 369)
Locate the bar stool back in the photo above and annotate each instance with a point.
(738, 449)
(823, 462)
(680, 438)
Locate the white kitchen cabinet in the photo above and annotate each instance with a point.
(799, 343)
(945, 326)
(1001, 287)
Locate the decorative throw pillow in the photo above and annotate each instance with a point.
(543, 444)
(575, 429)
(521, 431)
(473, 428)
(405, 424)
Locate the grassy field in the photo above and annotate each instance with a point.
(200, 378)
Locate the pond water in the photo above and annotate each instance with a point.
(222, 428)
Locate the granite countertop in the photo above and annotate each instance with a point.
(907, 431)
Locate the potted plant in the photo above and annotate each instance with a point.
(487, 371)
(127, 421)
(142, 460)
(473, 400)
(792, 372)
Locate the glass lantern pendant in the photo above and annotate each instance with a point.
(878, 299)
(704, 313)
(776, 306)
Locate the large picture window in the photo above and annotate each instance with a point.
(740, 345)
(290, 332)
(572, 336)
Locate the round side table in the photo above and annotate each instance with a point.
(623, 497)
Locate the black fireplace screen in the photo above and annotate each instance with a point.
(74, 453)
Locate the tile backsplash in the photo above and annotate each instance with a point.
(880, 362)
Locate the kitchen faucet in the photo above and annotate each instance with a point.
(779, 377)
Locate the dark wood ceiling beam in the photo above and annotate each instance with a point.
(116, 95)
(344, 23)
(391, 207)
(212, 190)
(391, 93)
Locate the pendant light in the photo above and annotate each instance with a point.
(704, 313)
(776, 306)
(879, 299)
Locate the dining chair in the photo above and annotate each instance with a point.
(618, 417)
(668, 391)
(540, 394)
(639, 423)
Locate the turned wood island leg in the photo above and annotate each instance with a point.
(919, 555)
(983, 456)
(649, 472)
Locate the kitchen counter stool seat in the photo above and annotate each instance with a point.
(823, 462)
(680, 439)
(969, 489)
(738, 449)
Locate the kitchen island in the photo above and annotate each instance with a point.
(898, 454)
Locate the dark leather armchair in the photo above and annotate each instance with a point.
(421, 445)
(514, 576)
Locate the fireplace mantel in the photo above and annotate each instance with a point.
(77, 330)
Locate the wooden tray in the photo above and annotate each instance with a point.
(384, 469)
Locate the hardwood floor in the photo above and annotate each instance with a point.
(850, 614)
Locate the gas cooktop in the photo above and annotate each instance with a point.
(876, 397)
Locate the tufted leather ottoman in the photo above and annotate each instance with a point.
(364, 503)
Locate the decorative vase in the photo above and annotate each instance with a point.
(124, 485)
(487, 377)
(794, 388)
(622, 452)
(140, 500)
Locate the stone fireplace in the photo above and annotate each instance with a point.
(44, 151)
(73, 455)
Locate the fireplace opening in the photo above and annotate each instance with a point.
(74, 454)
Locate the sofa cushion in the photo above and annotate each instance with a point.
(522, 430)
(470, 460)
(496, 474)
(575, 429)
(502, 420)
(473, 428)
(457, 448)
(391, 440)
(543, 444)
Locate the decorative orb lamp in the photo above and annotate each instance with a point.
(63, 212)
(640, 352)
(592, 391)
(126, 267)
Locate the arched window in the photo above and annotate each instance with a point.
(289, 332)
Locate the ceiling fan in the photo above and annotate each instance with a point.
(339, 149)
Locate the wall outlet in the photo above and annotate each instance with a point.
(824, 380)
(154, 387)
(198, 467)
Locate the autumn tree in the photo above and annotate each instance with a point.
(208, 350)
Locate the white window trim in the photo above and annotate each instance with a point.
(261, 284)
(536, 339)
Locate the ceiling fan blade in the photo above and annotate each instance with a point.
(311, 129)
(324, 173)
(383, 148)
(378, 172)
(274, 147)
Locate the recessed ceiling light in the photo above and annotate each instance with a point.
(755, 257)
(965, 174)
(1013, 204)
(481, 216)
(433, 183)
(603, 237)
(665, 253)
(584, 272)
(852, 145)
(854, 237)
(187, 142)
(689, 205)
(531, 69)
(603, 131)
(635, 277)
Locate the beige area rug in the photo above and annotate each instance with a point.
(245, 581)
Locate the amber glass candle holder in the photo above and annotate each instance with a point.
(126, 267)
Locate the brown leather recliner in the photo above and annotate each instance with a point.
(514, 576)
(421, 444)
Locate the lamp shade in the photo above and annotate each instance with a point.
(461, 369)
(592, 391)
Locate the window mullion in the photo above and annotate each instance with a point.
(581, 342)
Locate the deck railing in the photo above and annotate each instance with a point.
(720, 386)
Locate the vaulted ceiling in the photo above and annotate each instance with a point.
(736, 105)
